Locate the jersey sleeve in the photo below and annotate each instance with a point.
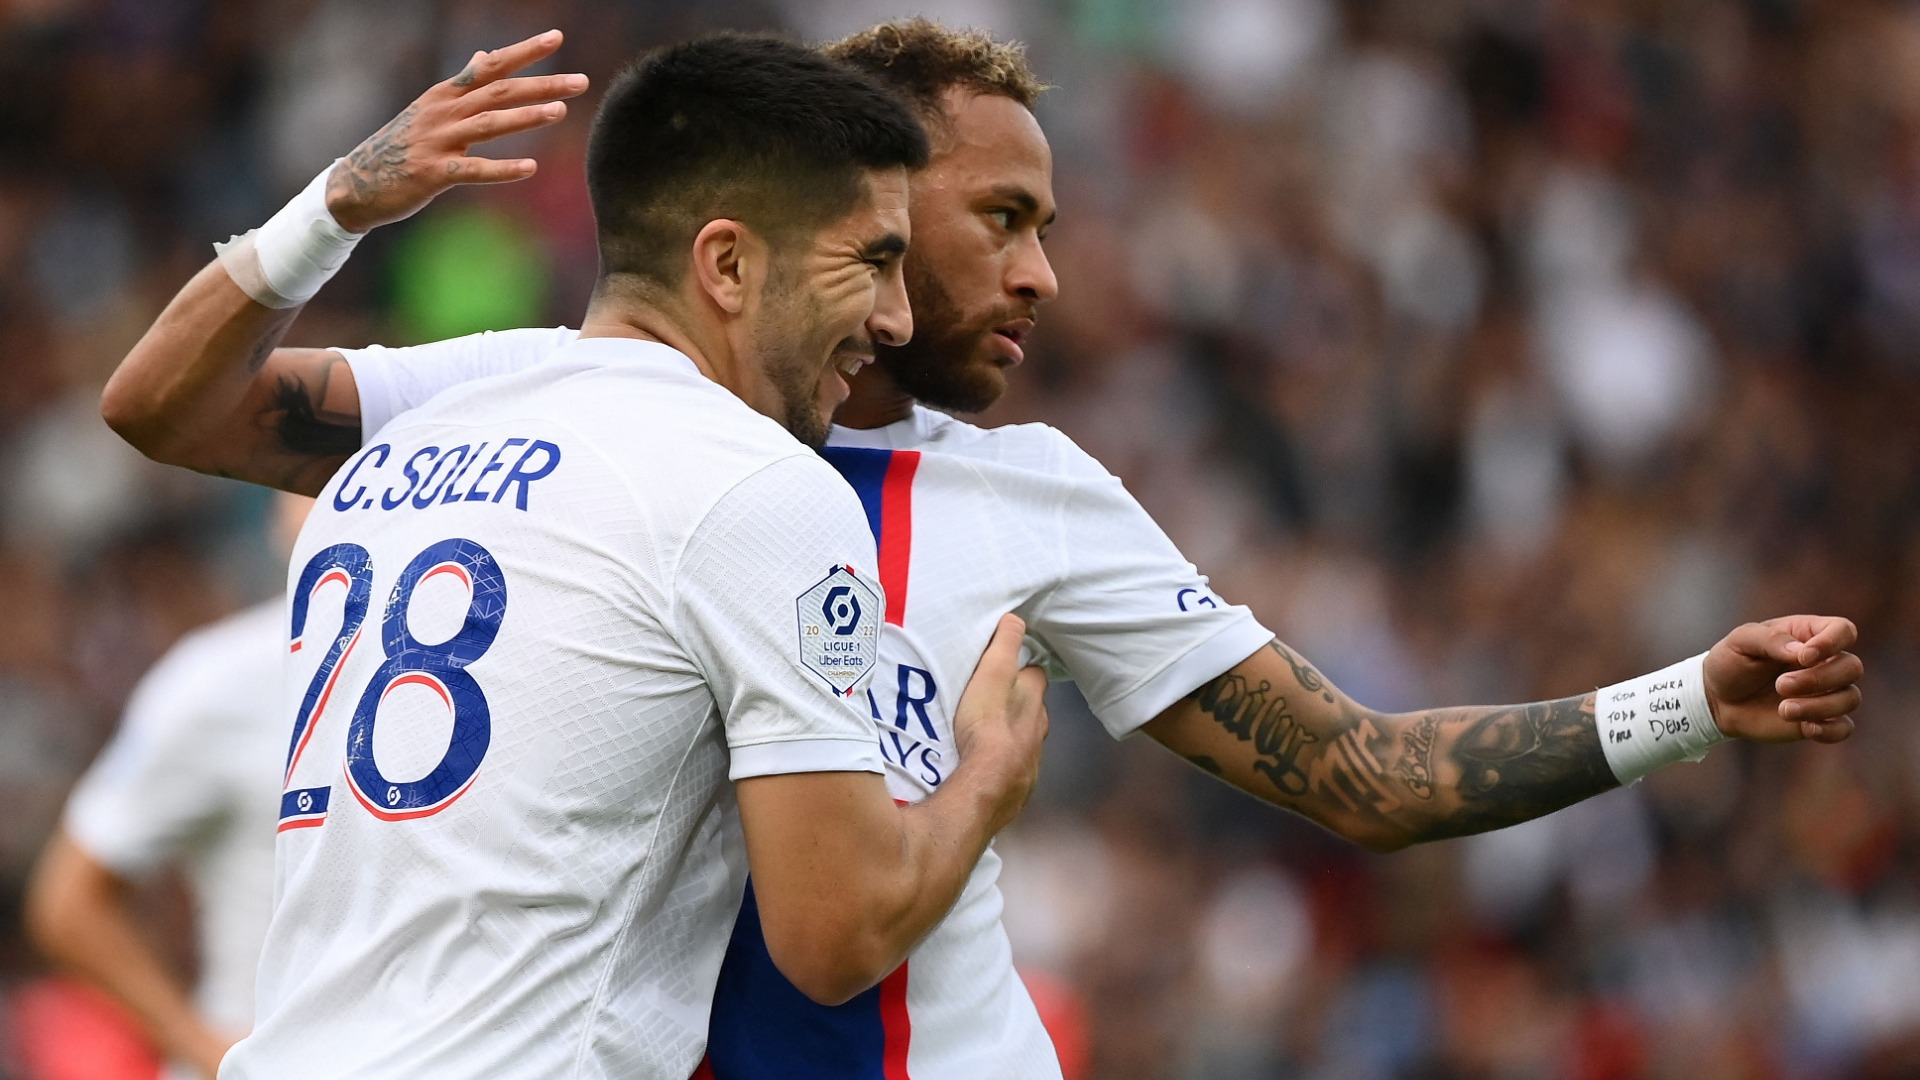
(773, 601)
(152, 791)
(391, 381)
(1131, 620)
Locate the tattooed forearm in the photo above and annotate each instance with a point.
(262, 349)
(267, 338)
(1281, 732)
(1415, 768)
(1519, 762)
(1351, 774)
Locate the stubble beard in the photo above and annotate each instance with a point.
(938, 367)
(795, 374)
(800, 393)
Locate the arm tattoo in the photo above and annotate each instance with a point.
(1416, 763)
(1421, 776)
(1303, 672)
(1519, 762)
(269, 339)
(1352, 773)
(309, 430)
(1257, 715)
(262, 349)
(378, 162)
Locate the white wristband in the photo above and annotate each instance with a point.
(1656, 720)
(283, 263)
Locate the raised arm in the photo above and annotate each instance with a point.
(207, 387)
(1276, 728)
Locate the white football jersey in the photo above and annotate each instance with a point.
(536, 625)
(970, 523)
(192, 777)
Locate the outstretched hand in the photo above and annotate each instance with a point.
(423, 151)
(1786, 679)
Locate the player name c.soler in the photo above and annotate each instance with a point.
(503, 471)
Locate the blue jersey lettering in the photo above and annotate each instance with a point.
(524, 476)
(430, 477)
(906, 699)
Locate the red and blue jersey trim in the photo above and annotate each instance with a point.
(762, 1026)
(884, 481)
(304, 808)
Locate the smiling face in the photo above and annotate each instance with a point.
(977, 275)
(828, 303)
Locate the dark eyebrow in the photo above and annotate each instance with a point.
(890, 244)
(1022, 200)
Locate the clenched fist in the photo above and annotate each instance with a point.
(1786, 679)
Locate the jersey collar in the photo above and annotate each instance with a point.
(628, 351)
(913, 431)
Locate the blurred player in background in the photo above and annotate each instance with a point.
(191, 779)
(971, 522)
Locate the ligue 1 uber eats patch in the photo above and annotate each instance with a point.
(839, 629)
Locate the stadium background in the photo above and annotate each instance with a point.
(1490, 350)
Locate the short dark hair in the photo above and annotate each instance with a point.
(744, 126)
(921, 60)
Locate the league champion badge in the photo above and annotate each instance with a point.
(839, 629)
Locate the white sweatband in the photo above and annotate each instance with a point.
(1655, 720)
(283, 263)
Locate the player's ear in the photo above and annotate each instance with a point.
(729, 263)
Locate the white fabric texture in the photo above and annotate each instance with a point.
(558, 909)
(391, 381)
(1069, 549)
(1020, 519)
(1007, 519)
(736, 593)
(192, 775)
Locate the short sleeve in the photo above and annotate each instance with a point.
(774, 602)
(391, 381)
(152, 789)
(1131, 619)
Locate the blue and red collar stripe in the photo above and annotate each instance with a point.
(884, 481)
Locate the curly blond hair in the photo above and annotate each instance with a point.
(921, 60)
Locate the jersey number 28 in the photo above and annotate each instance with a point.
(440, 667)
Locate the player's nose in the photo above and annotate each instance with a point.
(892, 320)
(1030, 276)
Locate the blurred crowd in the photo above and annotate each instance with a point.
(1490, 350)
